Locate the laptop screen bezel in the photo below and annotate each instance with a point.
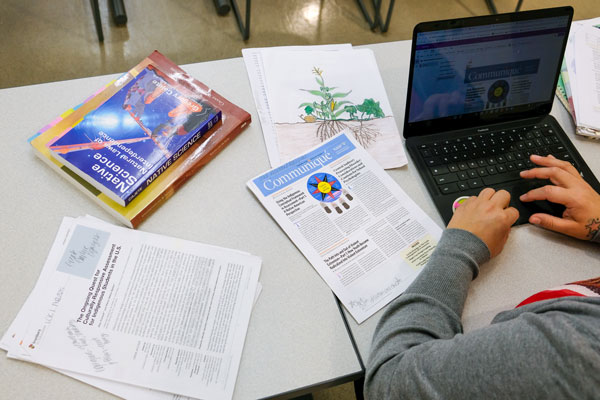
(422, 128)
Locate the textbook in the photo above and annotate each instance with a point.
(234, 121)
(135, 135)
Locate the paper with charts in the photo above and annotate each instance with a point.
(314, 95)
(361, 232)
(139, 315)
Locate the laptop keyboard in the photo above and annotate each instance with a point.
(490, 158)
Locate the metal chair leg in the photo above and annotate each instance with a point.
(385, 27)
(118, 12)
(377, 17)
(519, 4)
(492, 6)
(97, 20)
(376, 21)
(244, 28)
(358, 388)
(365, 13)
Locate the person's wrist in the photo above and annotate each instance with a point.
(471, 243)
(593, 230)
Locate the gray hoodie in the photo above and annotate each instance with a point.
(544, 350)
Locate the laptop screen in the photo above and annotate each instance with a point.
(480, 72)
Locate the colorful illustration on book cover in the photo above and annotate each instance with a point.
(333, 115)
(132, 134)
(328, 191)
(164, 115)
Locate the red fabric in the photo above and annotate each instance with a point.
(549, 294)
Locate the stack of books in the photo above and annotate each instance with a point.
(134, 142)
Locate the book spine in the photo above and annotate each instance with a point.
(163, 167)
(177, 183)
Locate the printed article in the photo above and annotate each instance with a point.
(128, 307)
(367, 239)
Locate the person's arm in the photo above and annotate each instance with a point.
(543, 350)
(547, 350)
(431, 308)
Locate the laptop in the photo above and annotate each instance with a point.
(480, 91)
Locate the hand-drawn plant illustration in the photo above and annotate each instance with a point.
(333, 114)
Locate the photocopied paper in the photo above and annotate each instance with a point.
(130, 311)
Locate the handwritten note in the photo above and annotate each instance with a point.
(83, 252)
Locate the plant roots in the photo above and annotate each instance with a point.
(363, 133)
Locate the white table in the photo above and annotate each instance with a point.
(296, 341)
(532, 260)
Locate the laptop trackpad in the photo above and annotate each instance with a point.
(526, 209)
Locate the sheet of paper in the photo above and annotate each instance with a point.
(587, 65)
(316, 94)
(14, 333)
(570, 74)
(116, 308)
(365, 237)
(253, 59)
(12, 339)
(570, 64)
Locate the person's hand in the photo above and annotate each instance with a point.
(488, 217)
(581, 219)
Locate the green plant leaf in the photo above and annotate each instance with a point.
(315, 93)
(371, 108)
(305, 104)
(337, 114)
(338, 95)
(320, 80)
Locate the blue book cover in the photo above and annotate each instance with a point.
(129, 140)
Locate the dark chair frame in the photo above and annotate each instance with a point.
(376, 21)
(118, 13)
(244, 27)
(492, 6)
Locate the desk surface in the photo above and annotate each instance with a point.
(296, 338)
(532, 260)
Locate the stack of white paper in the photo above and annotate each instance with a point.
(306, 95)
(139, 315)
(581, 76)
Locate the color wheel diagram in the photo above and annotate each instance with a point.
(326, 188)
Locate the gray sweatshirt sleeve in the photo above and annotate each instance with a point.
(419, 351)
